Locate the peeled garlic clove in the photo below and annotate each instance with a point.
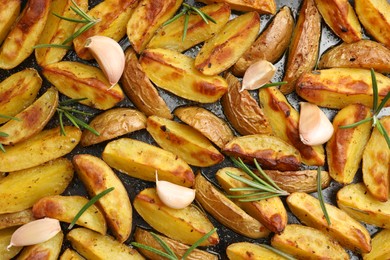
(314, 126)
(109, 55)
(173, 195)
(258, 74)
(35, 232)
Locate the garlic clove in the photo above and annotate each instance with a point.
(258, 74)
(109, 55)
(314, 126)
(35, 232)
(173, 195)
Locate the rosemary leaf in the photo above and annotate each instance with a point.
(320, 197)
(69, 19)
(62, 124)
(244, 189)
(264, 197)
(277, 251)
(374, 90)
(10, 117)
(186, 19)
(249, 182)
(2, 148)
(356, 124)
(262, 193)
(382, 104)
(62, 46)
(383, 131)
(274, 84)
(71, 101)
(85, 125)
(2, 134)
(71, 118)
(80, 12)
(154, 250)
(163, 244)
(79, 32)
(197, 243)
(265, 176)
(175, 17)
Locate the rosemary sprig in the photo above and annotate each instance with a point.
(320, 197)
(277, 251)
(187, 11)
(376, 110)
(89, 204)
(274, 84)
(2, 134)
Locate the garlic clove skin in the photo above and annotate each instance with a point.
(258, 74)
(109, 55)
(35, 232)
(173, 195)
(314, 126)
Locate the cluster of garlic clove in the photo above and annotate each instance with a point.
(258, 74)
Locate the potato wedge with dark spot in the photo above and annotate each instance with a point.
(9, 12)
(48, 250)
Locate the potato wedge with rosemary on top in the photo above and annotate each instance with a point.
(17, 218)
(5, 239)
(9, 12)
(380, 246)
(250, 251)
(48, 250)
(260, 6)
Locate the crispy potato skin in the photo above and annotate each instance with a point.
(250, 251)
(5, 238)
(16, 218)
(9, 11)
(48, 250)
(260, 6)
(379, 251)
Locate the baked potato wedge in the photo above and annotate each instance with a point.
(9, 12)
(16, 218)
(260, 6)
(65, 208)
(224, 49)
(380, 246)
(308, 243)
(271, 152)
(142, 160)
(113, 123)
(176, 73)
(5, 239)
(184, 141)
(345, 148)
(20, 190)
(70, 254)
(78, 80)
(185, 225)
(348, 231)
(304, 43)
(250, 251)
(48, 250)
(93, 245)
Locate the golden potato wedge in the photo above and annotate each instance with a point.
(376, 163)
(349, 232)
(225, 211)
(97, 176)
(340, 87)
(32, 119)
(271, 44)
(226, 46)
(380, 246)
(250, 251)
(9, 11)
(16, 218)
(363, 54)
(140, 90)
(304, 43)
(142, 160)
(93, 245)
(42, 147)
(345, 148)
(70, 254)
(113, 16)
(171, 35)
(270, 212)
(308, 243)
(260, 6)
(144, 237)
(113, 123)
(48, 250)
(65, 208)
(242, 110)
(176, 73)
(375, 18)
(18, 91)
(78, 80)
(20, 190)
(184, 225)
(209, 124)
(184, 141)
(284, 120)
(361, 205)
(270, 151)
(5, 239)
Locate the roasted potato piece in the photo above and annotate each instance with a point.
(376, 163)
(242, 110)
(226, 46)
(363, 54)
(78, 80)
(284, 120)
(271, 44)
(380, 246)
(176, 73)
(260, 6)
(250, 251)
(361, 205)
(270, 151)
(225, 211)
(345, 148)
(93, 245)
(308, 243)
(171, 35)
(70, 254)
(48, 250)
(144, 237)
(142, 160)
(270, 212)
(65, 208)
(184, 225)
(16, 218)
(349, 232)
(340, 87)
(24, 34)
(140, 90)
(304, 43)
(20, 190)
(5, 239)
(184, 141)
(210, 125)
(18, 91)
(9, 11)
(32, 119)
(97, 176)
(113, 123)
(42, 147)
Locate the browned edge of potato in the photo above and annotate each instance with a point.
(9, 12)
(17, 218)
(260, 6)
(49, 249)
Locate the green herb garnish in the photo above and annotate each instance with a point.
(320, 197)
(277, 251)
(274, 84)
(2, 134)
